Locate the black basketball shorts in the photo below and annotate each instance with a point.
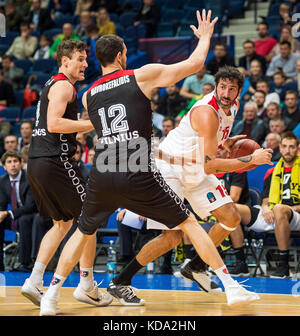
(144, 193)
(57, 186)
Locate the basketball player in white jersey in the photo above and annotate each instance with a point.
(203, 129)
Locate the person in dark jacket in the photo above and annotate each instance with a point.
(220, 59)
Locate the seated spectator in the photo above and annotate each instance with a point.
(157, 118)
(167, 125)
(172, 103)
(207, 88)
(81, 138)
(11, 143)
(277, 125)
(12, 74)
(24, 154)
(12, 17)
(250, 55)
(286, 61)
(149, 15)
(81, 29)
(265, 43)
(280, 205)
(39, 18)
(111, 6)
(82, 6)
(23, 7)
(273, 141)
(26, 129)
(91, 155)
(58, 8)
(259, 98)
(285, 17)
(252, 126)
(278, 84)
(221, 58)
(25, 45)
(273, 110)
(67, 34)
(44, 51)
(90, 41)
(77, 157)
(291, 109)
(7, 95)
(193, 85)
(286, 35)
(105, 26)
(256, 74)
(263, 85)
(15, 190)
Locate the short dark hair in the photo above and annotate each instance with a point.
(8, 154)
(248, 42)
(26, 122)
(290, 135)
(169, 118)
(288, 43)
(291, 92)
(231, 73)
(260, 91)
(107, 48)
(263, 81)
(68, 48)
(264, 23)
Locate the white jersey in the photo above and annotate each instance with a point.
(184, 139)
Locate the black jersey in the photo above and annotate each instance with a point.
(122, 117)
(44, 143)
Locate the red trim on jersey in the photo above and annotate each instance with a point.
(220, 175)
(270, 171)
(213, 102)
(59, 76)
(110, 77)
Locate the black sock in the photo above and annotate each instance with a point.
(124, 278)
(284, 257)
(239, 254)
(197, 263)
(189, 251)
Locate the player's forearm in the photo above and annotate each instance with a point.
(63, 125)
(215, 166)
(198, 56)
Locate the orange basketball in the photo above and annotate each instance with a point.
(244, 147)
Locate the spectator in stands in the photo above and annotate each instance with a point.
(286, 35)
(12, 74)
(11, 143)
(291, 109)
(273, 141)
(263, 85)
(23, 7)
(91, 155)
(286, 61)
(81, 29)
(67, 34)
(281, 204)
(193, 85)
(259, 98)
(167, 125)
(256, 74)
(221, 58)
(44, 51)
(273, 110)
(24, 154)
(285, 17)
(236, 184)
(24, 45)
(90, 41)
(252, 126)
(277, 125)
(58, 8)
(39, 18)
(82, 6)
(26, 129)
(278, 84)
(249, 56)
(12, 17)
(172, 103)
(15, 190)
(105, 25)
(265, 43)
(77, 157)
(149, 15)
(111, 6)
(7, 95)
(81, 138)
(297, 77)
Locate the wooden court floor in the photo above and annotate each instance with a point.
(158, 303)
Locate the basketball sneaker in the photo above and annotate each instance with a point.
(32, 292)
(94, 297)
(201, 278)
(125, 294)
(238, 295)
(49, 306)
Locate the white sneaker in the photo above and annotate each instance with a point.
(32, 292)
(49, 306)
(238, 295)
(94, 297)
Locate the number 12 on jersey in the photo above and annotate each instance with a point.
(118, 124)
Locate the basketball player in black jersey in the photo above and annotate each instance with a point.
(123, 174)
(55, 178)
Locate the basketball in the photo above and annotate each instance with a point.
(244, 147)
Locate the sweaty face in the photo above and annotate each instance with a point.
(76, 65)
(226, 92)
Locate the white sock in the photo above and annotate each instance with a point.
(223, 274)
(37, 273)
(55, 285)
(86, 279)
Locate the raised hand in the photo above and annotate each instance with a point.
(205, 27)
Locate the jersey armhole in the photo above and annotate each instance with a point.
(191, 110)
